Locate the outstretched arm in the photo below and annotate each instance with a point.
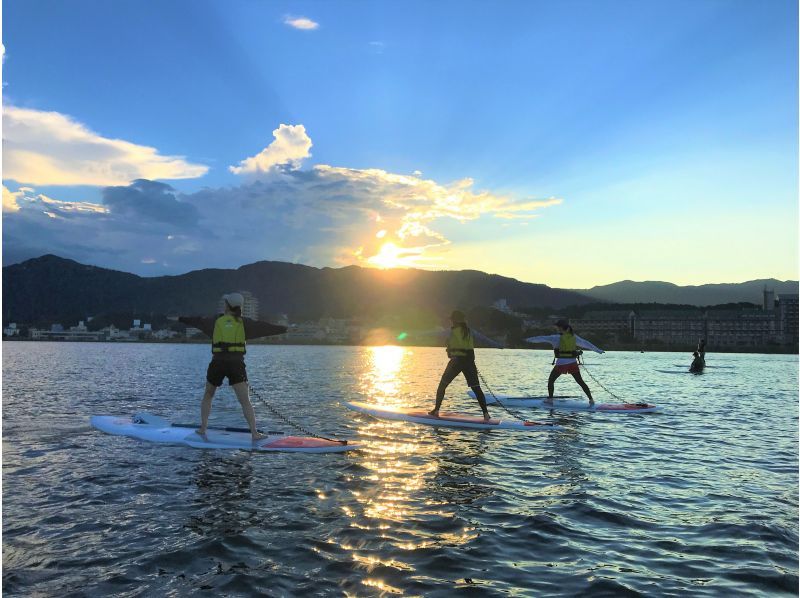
(205, 325)
(551, 339)
(486, 340)
(584, 344)
(259, 329)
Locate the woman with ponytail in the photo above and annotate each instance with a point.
(228, 347)
(567, 347)
(461, 351)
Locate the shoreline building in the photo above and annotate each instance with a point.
(57, 333)
(620, 323)
(775, 323)
(787, 315)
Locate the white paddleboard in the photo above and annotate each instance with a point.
(448, 420)
(156, 429)
(570, 404)
(686, 371)
(716, 367)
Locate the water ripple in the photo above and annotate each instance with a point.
(701, 498)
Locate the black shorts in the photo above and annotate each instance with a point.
(219, 369)
(461, 365)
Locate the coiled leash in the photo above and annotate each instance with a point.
(289, 422)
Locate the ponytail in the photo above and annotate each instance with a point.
(236, 312)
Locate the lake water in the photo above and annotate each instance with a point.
(699, 499)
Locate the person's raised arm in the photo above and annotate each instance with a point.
(259, 329)
(487, 340)
(550, 339)
(584, 344)
(204, 325)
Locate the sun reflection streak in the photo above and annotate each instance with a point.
(389, 518)
(381, 383)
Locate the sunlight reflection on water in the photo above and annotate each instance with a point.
(700, 499)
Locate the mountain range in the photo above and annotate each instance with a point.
(51, 288)
(628, 291)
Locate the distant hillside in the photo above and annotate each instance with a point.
(50, 288)
(629, 291)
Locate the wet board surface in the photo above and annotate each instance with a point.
(570, 404)
(448, 420)
(155, 429)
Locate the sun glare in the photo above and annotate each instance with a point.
(389, 256)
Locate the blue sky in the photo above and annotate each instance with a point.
(566, 143)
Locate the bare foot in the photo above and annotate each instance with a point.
(434, 413)
(486, 417)
(201, 432)
(548, 401)
(258, 436)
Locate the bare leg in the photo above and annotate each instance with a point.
(241, 390)
(551, 384)
(584, 386)
(205, 408)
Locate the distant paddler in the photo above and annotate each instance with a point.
(698, 363)
(461, 354)
(567, 348)
(701, 350)
(229, 333)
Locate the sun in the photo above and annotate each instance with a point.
(389, 256)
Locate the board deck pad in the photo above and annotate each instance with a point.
(156, 429)
(448, 420)
(569, 404)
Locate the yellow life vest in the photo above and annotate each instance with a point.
(567, 346)
(459, 344)
(228, 335)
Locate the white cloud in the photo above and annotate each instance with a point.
(290, 148)
(27, 198)
(320, 216)
(303, 23)
(49, 148)
(9, 201)
(407, 207)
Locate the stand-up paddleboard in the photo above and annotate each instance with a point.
(157, 429)
(448, 420)
(716, 367)
(686, 371)
(569, 404)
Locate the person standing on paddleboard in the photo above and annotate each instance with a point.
(698, 363)
(701, 350)
(461, 351)
(566, 346)
(229, 333)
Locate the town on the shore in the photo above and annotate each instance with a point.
(770, 327)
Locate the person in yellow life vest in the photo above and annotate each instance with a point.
(461, 351)
(229, 333)
(567, 347)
